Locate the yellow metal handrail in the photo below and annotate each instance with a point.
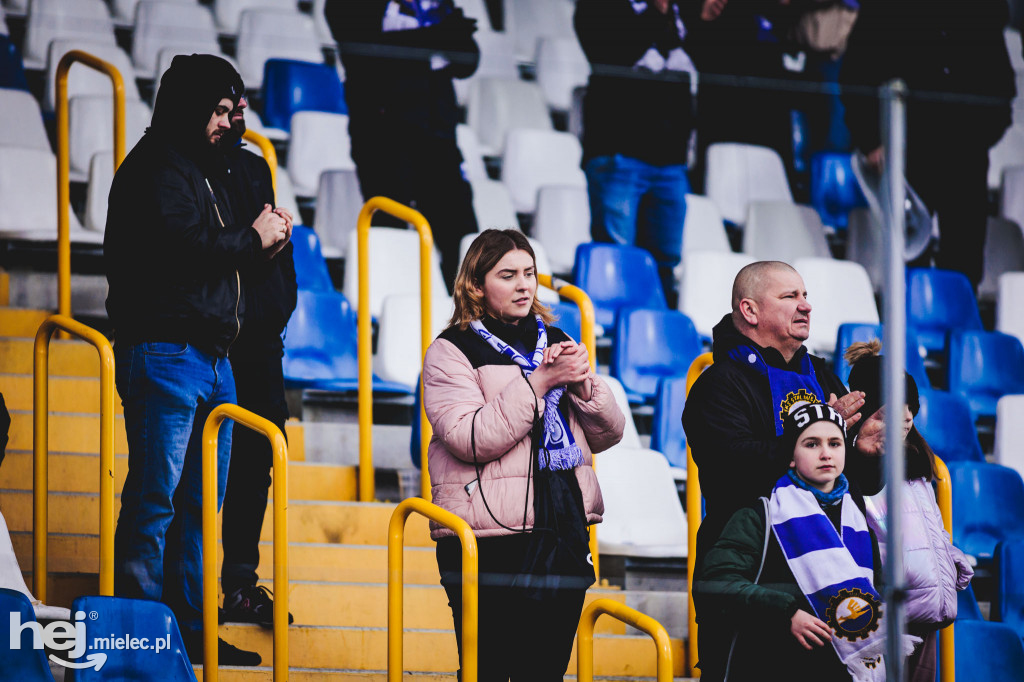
(63, 160)
(210, 433)
(40, 449)
(470, 582)
(618, 610)
(944, 497)
(269, 154)
(693, 519)
(402, 212)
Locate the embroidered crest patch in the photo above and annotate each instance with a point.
(794, 397)
(853, 614)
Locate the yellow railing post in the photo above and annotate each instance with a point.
(944, 497)
(402, 212)
(396, 579)
(269, 154)
(618, 610)
(211, 430)
(63, 160)
(693, 519)
(40, 449)
(588, 337)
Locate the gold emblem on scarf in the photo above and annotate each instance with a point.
(853, 614)
(794, 397)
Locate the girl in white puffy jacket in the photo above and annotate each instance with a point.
(935, 569)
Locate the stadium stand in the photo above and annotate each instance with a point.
(1010, 432)
(319, 142)
(24, 662)
(497, 60)
(630, 435)
(704, 229)
(124, 10)
(946, 423)
(268, 34)
(184, 27)
(562, 223)
(989, 508)
(1010, 305)
(737, 174)
(101, 176)
(561, 68)
(1004, 252)
(983, 367)
(864, 244)
(310, 267)
(83, 80)
(497, 105)
(472, 159)
(667, 436)
(987, 651)
(90, 130)
(1008, 606)
(48, 20)
(651, 345)
(705, 286)
(834, 189)
(228, 13)
(492, 204)
(839, 291)
(530, 20)
(334, 220)
(290, 86)
(399, 350)
(782, 230)
(939, 301)
(617, 277)
(851, 332)
(394, 267)
(28, 185)
(21, 121)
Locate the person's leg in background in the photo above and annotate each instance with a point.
(661, 229)
(614, 187)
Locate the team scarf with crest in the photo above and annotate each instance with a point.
(559, 450)
(788, 387)
(835, 572)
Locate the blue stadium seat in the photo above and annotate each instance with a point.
(617, 277)
(567, 316)
(667, 435)
(967, 605)
(290, 86)
(1008, 606)
(834, 189)
(851, 332)
(12, 69)
(986, 652)
(651, 345)
(26, 663)
(320, 346)
(983, 367)
(310, 267)
(988, 507)
(939, 301)
(946, 422)
(136, 618)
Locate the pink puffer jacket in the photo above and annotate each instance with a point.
(453, 390)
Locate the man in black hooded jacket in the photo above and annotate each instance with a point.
(177, 238)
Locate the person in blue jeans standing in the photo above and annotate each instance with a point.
(174, 244)
(637, 121)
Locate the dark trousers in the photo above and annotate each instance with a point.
(519, 638)
(260, 388)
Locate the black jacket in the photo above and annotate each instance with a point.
(629, 111)
(730, 426)
(172, 268)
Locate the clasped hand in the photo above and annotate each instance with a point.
(274, 226)
(564, 364)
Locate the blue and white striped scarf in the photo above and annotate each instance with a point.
(559, 450)
(835, 573)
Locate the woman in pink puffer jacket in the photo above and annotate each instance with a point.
(934, 568)
(516, 414)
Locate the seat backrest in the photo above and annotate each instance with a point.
(705, 286)
(21, 121)
(967, 605)
(981, 362)
(91, 130)
(1010, 432)
(1004, 252)
(1011, 194)
(561, 68)
(101, 176)
(319, 142)
(617, 276)
(1008, 151)
(1008, 606)
(48, 20)
(28, 184)
(310, 266)
(852, 332)
(228, 13)
(266, 34)
(940, 300)
(667, 436)
(530, 20)
(987, 651)
(783, 231)
(834, 188)
(1010, 304)
(320, 340)
(26, 662)
(291, 86)
(703, 229)
(568, 319)
(83, 80)
(740, 173)
(864, 244)
(492, 204)
(839, 291)
(641, 503)
(562, 223)
(946, 423)
(12, 69)
(124, 10)
(650, 345)
(160, 24)
(472, 159)
(338, 201)
(497, 60)
(535, 158)
(394, 267)
(630, 435)
(497, 105)
(988, 507)
(399, 349)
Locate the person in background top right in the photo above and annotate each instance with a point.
(935, 569)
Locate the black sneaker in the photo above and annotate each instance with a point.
(251, 604)
(227, 654)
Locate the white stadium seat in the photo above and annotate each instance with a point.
(534, 158)
(271, 34)
(394, 268)
(21, 121)
(338, 201)
(497, 105)
(781, 230)
(1004, 252)
(91, 128)
(160, 25)
(492, 205)
(839, 291)
(562, 223)
(1010, 305)
(740, 173)
(703, 229)
(48, 20)
(399, 348)
(705, 286)
(319, 142)
(28, 188)
(84, 80)
(228, 13)
(561, 68)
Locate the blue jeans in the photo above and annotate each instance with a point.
(168, 391)
(616, 184)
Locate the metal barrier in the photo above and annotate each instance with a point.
(269, 155)
(210, 432)
(402, 212)
(618, 610)
(944, 496)
(470, 582)
(693, 519)
(40, 449)
(64, 161)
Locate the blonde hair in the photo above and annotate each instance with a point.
(862, 349)
(487, 249)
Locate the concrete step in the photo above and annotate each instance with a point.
(345, 523)
(349, 648)
(79, 473)
(22, 322)
(71, 358)
(66, 394)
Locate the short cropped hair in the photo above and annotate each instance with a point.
(750, 280)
